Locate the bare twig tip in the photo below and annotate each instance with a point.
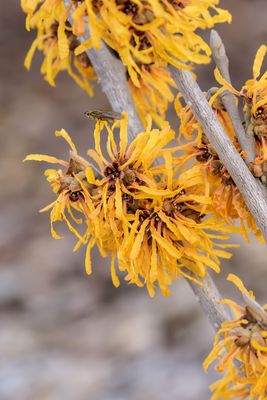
(216, 44)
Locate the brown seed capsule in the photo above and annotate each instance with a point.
(259, 112)
(216, 167)
(243, 337)
(75, 196)
(128, 176)
(203, 156)
(256, 169)
(129, 8)
(145, 17)
(178, 5)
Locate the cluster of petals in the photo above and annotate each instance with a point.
(254, 95)
(147, 36)
(240, 349)
(151, 222)
(227, 200)
(57, 41)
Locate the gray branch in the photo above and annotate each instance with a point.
(246, 141)
(112, 77)
(209, 297)
(254, 196)
(219, 55)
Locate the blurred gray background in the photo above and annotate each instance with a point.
(64, 335)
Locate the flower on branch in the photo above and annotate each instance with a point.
(227, 200)
(240, 348)
(254, 94)
(55, 38)
(152, 222)
(147, 36)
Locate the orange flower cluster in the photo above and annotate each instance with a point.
(227, 200)
(138, 212)
(254, 95)
(240, 349)
(157, 211)
(55, 38)
(147, 35)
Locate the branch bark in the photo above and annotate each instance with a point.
(112, 77)
(246, 141)
(209, 299)
(254, 196)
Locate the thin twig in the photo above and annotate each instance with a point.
(219, 55)
(253, 194)
(209, 299)
(246, 141)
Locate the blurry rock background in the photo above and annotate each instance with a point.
(63, 335)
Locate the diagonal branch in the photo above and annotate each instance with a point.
(112, 77)
(254, 196)
(246, 141)
(209, 299)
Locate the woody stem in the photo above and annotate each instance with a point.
(209, 299)
(112, 78)
(247, 142)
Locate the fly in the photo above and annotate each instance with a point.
(101, 115)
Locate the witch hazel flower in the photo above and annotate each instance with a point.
(240, 350)
(146, 35)
(150, 222)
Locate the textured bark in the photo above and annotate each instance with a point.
(246, 141)
(209, 297)
(112, 78)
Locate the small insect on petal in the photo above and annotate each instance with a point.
(101, 115)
